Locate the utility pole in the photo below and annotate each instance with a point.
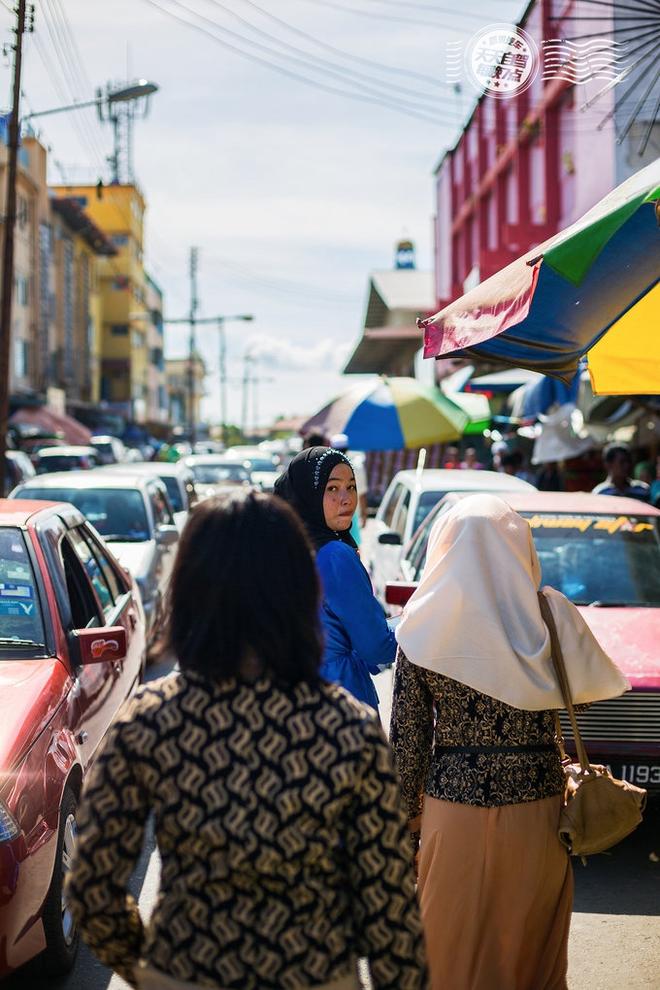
(8, 244)
(220, 323)
(192, 346)
(247, 358)
(222, 366)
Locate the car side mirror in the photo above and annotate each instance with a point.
(399, 592)
(98, 644)
(390, 539)
(167, 534)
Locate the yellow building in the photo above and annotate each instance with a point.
(78, 246)
(118, 210)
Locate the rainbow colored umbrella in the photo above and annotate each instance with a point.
(391, 414)
(592, 290)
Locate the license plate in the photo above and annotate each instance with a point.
(643, 774)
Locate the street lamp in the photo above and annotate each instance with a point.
(135, 91)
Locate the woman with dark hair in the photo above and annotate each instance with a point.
(276, 807)
(319, 483)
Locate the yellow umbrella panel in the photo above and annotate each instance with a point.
(626, 359)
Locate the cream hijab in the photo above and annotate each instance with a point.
(475, 616)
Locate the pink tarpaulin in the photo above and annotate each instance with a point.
(489, 309)
(53, 422)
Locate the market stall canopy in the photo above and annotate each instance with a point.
(391, 414)
(54, 423)
(475, 406)
(591, 289)
(502, 382)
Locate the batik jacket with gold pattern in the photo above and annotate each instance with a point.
(457, 744)
(280, 830)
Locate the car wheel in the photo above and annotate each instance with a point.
(62, 935)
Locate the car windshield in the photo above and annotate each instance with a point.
(21, 624)
(173, 493)
(215, 474)
(117, 513)
(65, 462)
(597, 559)
(427, 501)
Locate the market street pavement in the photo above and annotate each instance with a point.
(615, 933)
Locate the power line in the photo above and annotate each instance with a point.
(299, 77)
(317, 61)
(379, 66)
(374, 15)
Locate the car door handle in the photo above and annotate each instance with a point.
(132, 618)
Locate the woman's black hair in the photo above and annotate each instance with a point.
(244, 595)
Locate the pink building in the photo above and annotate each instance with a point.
(524, 166)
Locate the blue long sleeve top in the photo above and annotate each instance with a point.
(358, 640)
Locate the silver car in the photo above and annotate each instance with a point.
(177, 478)
(132, 513)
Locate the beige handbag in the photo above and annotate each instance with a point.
(598, 809)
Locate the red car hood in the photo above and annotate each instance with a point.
(631, 636)
(31, 691)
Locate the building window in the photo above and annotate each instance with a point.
(119, 329)
(21, 358)
(22, 212)
(119, 240)
(22, 290)
(138, 339)
(120, 283)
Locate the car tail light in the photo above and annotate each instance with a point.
(398, 592)
(9, 828)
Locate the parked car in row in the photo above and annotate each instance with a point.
(603, 553)
(111, 450)
(72, 650)
(178, 479)
(51, 459)
(407, 502)
(132, 513)
(264, 467)
(18, 468)
(213, 473)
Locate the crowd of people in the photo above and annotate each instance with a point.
(294, 839)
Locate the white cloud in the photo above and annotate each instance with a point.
(285, 355)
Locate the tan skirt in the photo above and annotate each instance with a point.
(496, 894)
(149, 978)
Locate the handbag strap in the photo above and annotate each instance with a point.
(560, 670)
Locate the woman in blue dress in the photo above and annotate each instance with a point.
(319, 483)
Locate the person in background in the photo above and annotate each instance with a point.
(320, 485)
(512, 463)
(276, 806)
(619, 465)
(654, 493)
(314, 439)
(473, 735)
(452, 458)
(643, 472)
(470, 461)
(549, 478)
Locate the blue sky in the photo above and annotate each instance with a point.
(291, 193)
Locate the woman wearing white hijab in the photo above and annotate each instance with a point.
(473, 737)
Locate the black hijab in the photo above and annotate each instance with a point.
(303, 484)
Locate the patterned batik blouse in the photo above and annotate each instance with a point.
(454, 743)
(281, 834)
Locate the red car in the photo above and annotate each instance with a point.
(72, 649)
(603, 553)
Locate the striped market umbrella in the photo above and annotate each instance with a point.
(391, 414)
(592, 290)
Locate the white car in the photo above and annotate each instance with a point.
(408, 500)
(177, 478)
(263, 466)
